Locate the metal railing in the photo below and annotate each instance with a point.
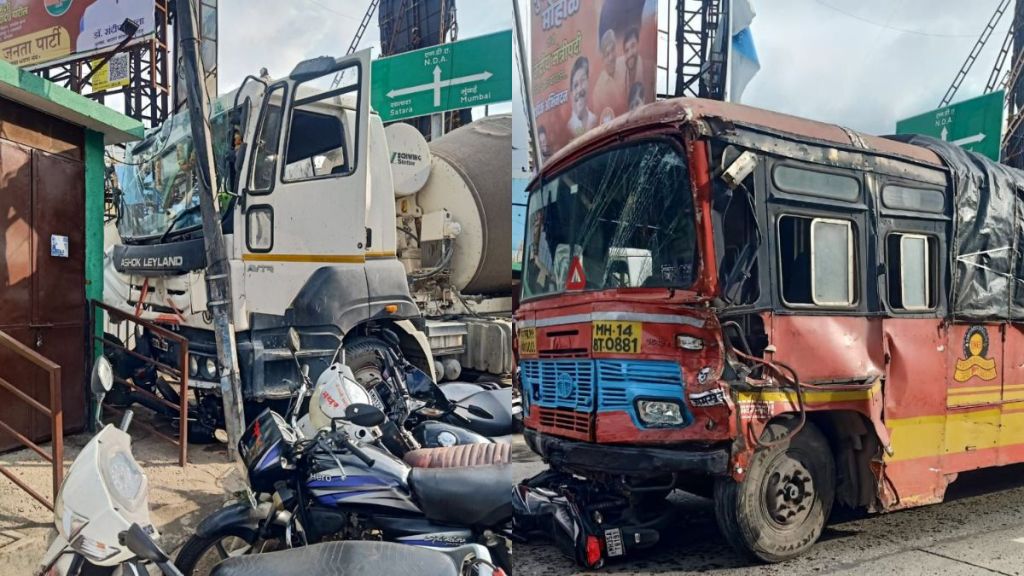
(181, 375)
(54, 412)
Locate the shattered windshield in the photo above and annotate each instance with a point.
(158, 183)
(619, 219)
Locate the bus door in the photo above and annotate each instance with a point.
(1011, 430)
(974, 392)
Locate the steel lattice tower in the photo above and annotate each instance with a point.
(701, 58)
(146, 97)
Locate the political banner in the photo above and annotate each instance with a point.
(34, 33)
(591, 61)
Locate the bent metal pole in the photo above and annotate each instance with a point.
(218, 271)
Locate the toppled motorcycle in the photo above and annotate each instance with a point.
(588, 522)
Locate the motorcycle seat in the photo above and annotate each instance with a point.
(459, 456)
(341, 559)
(474, 496)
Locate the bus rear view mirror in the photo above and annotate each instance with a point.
(740, 169)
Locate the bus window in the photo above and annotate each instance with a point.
(911, 260)
(914, 199)
(817, 184)
(817, 261)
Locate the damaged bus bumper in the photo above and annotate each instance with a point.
(615, 459)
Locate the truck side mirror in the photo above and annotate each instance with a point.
(294, 342)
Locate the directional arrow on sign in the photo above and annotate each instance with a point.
(438, 84)
(969, 140)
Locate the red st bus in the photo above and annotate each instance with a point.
(779, 313)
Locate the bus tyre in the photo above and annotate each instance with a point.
(779, 510)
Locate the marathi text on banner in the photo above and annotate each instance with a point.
(35, 48)
(37, 33)
(591, 62)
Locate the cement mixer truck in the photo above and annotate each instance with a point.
(336, 226)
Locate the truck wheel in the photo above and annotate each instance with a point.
(779, 511)
(361, 356)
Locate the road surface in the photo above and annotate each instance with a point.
(978, 530)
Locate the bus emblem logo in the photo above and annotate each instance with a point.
(564, 385)
(975, 362)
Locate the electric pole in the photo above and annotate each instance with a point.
(218, 271)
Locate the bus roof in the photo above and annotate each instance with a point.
(678, 110)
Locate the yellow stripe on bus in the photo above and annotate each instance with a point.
(974, 399)
(973, 389)
(815, 396)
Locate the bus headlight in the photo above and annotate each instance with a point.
(660, 412)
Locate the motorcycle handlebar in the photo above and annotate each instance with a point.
(356, 450)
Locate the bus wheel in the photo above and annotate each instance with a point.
(779, 510)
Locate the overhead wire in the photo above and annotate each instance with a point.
(890, 27)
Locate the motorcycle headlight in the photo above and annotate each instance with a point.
(94, 549)
(659, 412)
(71, 524)
(125, 478)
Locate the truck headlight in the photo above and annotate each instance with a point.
(209, 369)
(193, 366)
(660, 412)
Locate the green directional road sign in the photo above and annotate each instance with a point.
(463, 74)
(975, 124)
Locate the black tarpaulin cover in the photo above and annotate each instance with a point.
(988, 229)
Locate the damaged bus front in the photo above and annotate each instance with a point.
(737, 304)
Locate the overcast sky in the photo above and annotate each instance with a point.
(278, 34)
(868, 63)
(861, 63)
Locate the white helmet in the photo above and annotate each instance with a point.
(335, 390)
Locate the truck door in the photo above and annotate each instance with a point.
(306, 196)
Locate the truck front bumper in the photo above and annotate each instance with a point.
(628, 460)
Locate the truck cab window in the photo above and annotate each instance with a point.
(817, 261)
(319, 128)
(911, 261)
(267, 138)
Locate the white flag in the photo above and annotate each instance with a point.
(743, 60)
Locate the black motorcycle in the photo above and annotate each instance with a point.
(450, 414)
(329, 487)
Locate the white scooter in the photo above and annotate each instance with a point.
(102, 510)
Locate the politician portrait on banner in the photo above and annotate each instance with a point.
(592, 60)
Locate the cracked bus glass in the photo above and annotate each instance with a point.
(624, 217)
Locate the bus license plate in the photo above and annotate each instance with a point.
(613, 542)
(528, 341)
(617, 337)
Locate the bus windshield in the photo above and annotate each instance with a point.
(158, 180)
(622, 218)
